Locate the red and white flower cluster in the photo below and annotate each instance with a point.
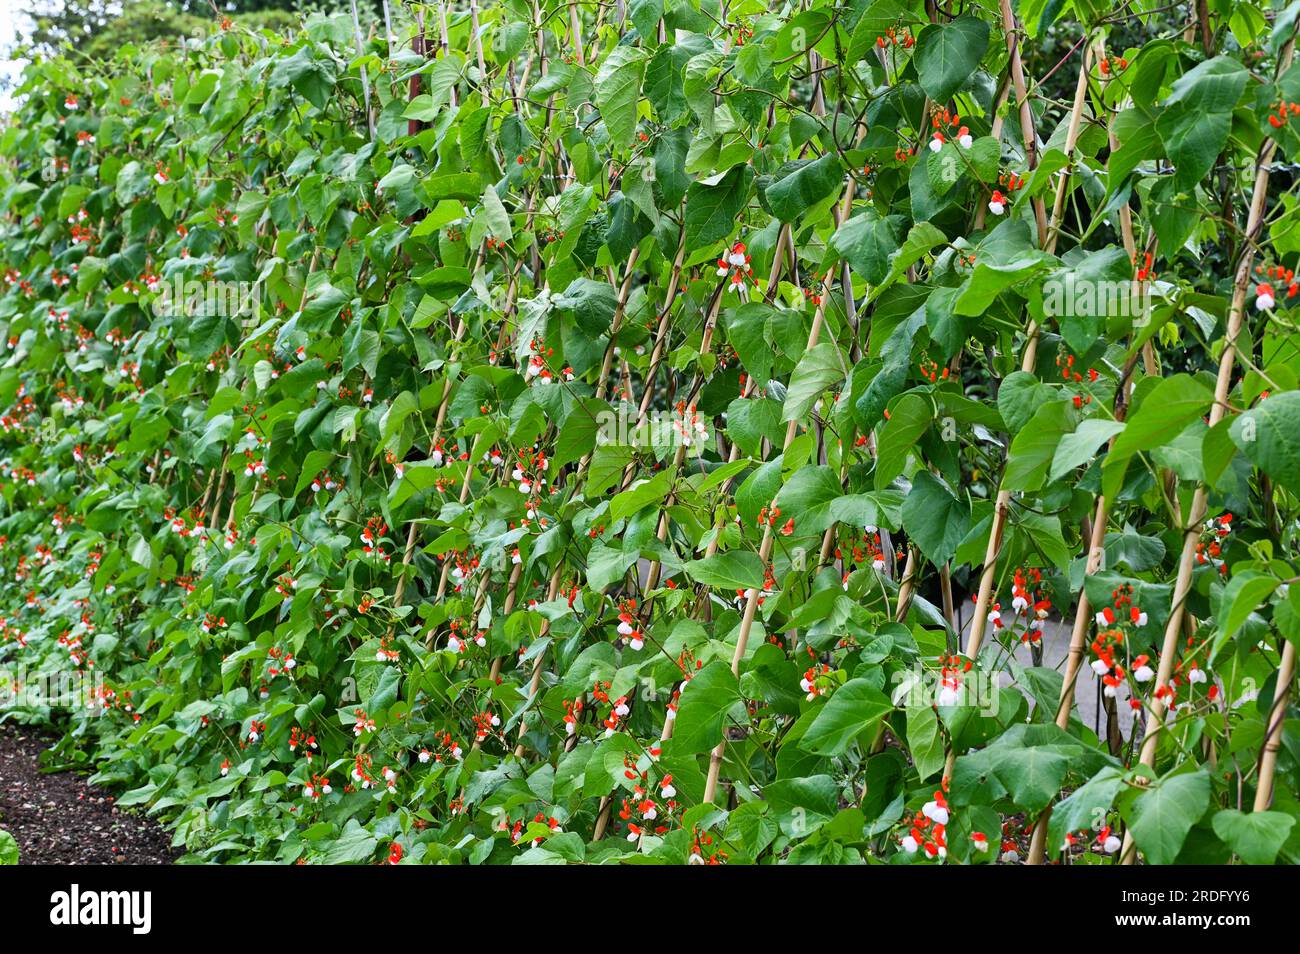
(927, 833)
(948, 128)
(735, 263)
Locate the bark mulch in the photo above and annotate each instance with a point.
(58, 819)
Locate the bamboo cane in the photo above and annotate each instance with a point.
(1191, 532)
(1273, 738)
(765, 547)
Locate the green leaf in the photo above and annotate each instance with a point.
(803, 805)
(1165, 410)
(354, 846)
(618, 87)
(854, 708)
(925, 741)
(493, 219)
(947, 55)
(730, 569)
(1032, 774)
(1256, 837)
(867, 242)
(809, 498)
(909, 418)
(1197, 117)
(1245, 593)
(713, 210)
(705, 701)
(1269, 435)
(1081, 446)
(1019, 398)
(820, 367)
(1162, 815)
(804, 187)
(640, 495)
(607, 565)
(645, 16)
(935, 518)
(1086, 806)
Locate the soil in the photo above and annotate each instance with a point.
(58, 819)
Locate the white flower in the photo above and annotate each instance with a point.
(1100, 667)
(936, 144)
(1144, 673)
(909, 845)
(935, 812)
(1196, 676)
(1264, 301)
(1111, 845)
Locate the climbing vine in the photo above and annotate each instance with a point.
(573, 431)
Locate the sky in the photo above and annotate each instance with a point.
(9, 67)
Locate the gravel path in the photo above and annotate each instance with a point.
(57, 819)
